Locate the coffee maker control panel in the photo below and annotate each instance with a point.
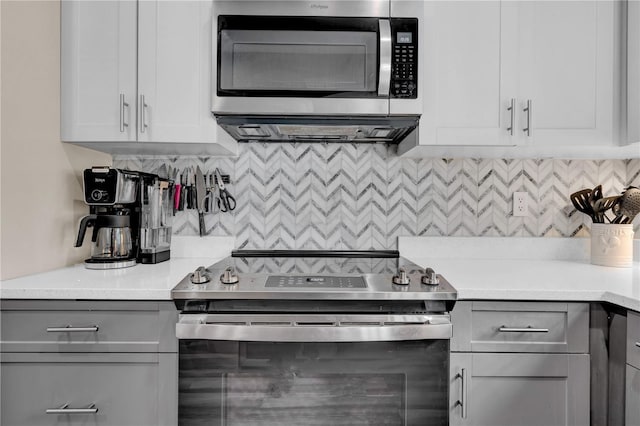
(105, 186)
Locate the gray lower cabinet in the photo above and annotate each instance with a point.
(101, 363)
(532, 389)
(520, 364)
(633, 397)
(81, 389)
(632, 388)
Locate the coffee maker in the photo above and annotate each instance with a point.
(131, 215)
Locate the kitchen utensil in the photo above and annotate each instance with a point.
(225, 201)
(580, 201)
(628, 206)
(178, 190)
(201, 194)
(602, 205)
(596, 194)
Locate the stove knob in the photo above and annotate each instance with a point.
(430, 277)
(229, 277)
(401, 278)
(199, 276)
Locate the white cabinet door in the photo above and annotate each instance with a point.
(566, 70)
(174, 64)
(633, 72)
(468, 74)
(98, 70)
(507, 389)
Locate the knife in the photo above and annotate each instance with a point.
(201, 196)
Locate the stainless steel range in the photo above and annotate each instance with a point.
(314, 338)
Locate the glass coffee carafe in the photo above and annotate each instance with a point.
(112, 245)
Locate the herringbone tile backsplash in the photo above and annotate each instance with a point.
(343, 196)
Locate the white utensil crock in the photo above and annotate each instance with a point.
(612, 244)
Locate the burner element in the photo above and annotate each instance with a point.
(401, 278)
(229, 276)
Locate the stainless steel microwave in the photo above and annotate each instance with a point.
(317, 59)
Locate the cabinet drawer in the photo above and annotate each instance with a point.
(122, 389)
(521, 327)
(633, 339)
(54, 326)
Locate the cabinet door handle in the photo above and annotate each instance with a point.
(527, 329)
(143, 119)
(512, 111)
(91, 409)
(70, 328)
(527, 109)
(123, 118)
(638, 344)
(462, 402)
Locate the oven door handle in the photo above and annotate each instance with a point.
(187, 329)
(384, 82)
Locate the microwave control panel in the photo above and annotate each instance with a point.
(404, 58)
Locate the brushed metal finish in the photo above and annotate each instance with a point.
(504, 329)
(462, 402)
(295, 106)
(91, 409)
(511, 109)
(123, 121)
(70, 328)
(384, 82)
(252, 286)
(143, 120)
(314, 328)
(527, 109)
(111, 265)
(355, 8)
(638, 344)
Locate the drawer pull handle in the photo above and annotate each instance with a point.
(463, 396)
(70, 328)
(92, 409)
(527, 329)
(638, 344)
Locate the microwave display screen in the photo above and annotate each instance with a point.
(404, 38)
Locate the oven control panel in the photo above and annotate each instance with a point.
(404, 58)
(308, 281)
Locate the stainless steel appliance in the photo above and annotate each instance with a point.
(131, 215)
(323, 338)
(316, 70)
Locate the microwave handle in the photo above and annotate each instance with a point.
(384, 82)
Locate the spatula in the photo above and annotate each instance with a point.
(602, 205)
(580, 201)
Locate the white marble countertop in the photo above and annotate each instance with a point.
(479, 268)
(140, 282)
(525, 269)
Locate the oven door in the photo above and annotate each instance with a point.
(301, 62)
(313, 370)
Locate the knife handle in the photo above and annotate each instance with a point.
(176, 198)
(201, 223)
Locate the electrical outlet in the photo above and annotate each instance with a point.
(520, 204)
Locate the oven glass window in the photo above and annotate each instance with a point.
(298, 61)
(367, 383)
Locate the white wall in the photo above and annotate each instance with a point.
(40, 177)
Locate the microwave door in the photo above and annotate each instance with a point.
(296, 70)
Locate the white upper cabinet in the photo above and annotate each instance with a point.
(557, 57)
(139, 72)
(632, 106)
(467, 82)
(98, 71)
(566, 72)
